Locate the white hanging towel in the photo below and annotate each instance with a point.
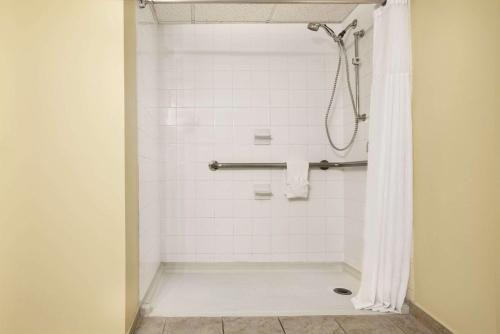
(297, 184)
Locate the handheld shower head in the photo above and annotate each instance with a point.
(330, 32)
(352, 25)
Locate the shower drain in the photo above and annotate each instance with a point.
(342, 291)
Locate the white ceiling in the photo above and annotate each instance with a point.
(245, 13)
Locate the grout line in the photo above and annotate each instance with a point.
(409, 316)
(340, 326)
(164, 326)
(397, 326)
(281, 324)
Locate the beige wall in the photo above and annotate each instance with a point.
(62, 170)
(131, 167)
(455, 87)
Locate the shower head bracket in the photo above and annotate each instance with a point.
(359, 33)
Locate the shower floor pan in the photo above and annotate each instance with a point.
(248, 289)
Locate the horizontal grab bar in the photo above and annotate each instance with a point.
(323, 164)
(143, 3)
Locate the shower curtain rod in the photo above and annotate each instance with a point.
(143, 3)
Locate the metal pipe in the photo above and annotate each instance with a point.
(357, 2)
(324, 165)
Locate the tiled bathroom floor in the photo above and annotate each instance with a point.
(368, 324)
(249, 290)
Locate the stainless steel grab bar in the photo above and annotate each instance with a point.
(143, 3)
(323, 164)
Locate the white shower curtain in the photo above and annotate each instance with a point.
(388, 216)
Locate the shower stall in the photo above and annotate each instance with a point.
(228, 94)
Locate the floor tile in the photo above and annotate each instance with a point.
(427, 320)
(252, 325)
(410, 325)
(150, 325)
(311, 325)
(193, 326)
(372, 324)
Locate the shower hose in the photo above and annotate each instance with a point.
(342, 53)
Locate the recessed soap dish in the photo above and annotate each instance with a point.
(262, 136)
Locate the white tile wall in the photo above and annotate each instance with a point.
(149, 156)
(216, 84)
